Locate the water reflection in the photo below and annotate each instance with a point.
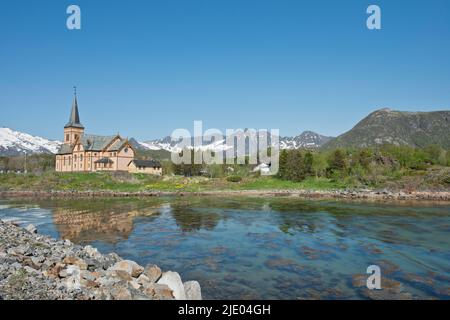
(279, 248)
(98, 225)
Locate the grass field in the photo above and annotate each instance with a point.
(125, 182)
(433, 179)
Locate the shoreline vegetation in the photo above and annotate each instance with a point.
(385, 172)
(37, 267)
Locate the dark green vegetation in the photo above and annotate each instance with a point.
(385, 126)
(386, 166)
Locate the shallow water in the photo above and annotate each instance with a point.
(266, 248)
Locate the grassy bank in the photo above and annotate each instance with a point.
(433, 179)
(124, 182)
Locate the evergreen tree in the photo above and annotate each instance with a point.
(337, 160)
(308, 164)
(282, 160)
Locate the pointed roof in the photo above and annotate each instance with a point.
(74, 120)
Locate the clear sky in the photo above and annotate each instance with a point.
(145, 68)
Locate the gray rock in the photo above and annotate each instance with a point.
(153, 272)
(142, 279)
(128, 266)
(173, 281)
(92, 252)
(31, 228)
(34, 266)
(88, 275)
(193, 290)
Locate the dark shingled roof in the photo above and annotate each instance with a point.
(65, 149)
(74, 120)
(104, 160)
(92, 142)
(146, 163)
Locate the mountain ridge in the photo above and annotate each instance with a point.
(388, 126)
(382, 126)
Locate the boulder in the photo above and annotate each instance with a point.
(143, 279)
(92, 252)
(120, 274)
(192, 290)
(158, 291)
(121, 293)
(76, 261)
(31, 228)
(128, 266)
(153, 272)
(173, 281)
(72, 282)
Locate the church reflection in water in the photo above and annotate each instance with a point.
(112, 225)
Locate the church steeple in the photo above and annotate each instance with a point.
(74, 120)
(73, 129)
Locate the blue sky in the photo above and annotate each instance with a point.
(144, 68)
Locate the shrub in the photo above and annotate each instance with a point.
(234, 179)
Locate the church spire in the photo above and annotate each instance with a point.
(74, 120)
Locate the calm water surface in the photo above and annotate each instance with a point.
(277, 248)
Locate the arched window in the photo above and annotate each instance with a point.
(81, 158)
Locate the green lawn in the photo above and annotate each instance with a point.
(137, 182)
(125, 182)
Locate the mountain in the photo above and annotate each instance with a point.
(307, 139)
(13, 143)
(386, 126)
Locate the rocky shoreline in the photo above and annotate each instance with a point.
(36, 267)
(307, 194)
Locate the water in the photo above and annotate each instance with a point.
(276, 248)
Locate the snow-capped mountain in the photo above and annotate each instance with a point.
(16, 143)
(307, 139)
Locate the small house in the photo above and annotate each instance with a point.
(145, 166)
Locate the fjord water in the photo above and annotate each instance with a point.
(266, 248)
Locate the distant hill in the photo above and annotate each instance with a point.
(386, 126)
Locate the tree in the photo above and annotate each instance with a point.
(308, 164)
(337, 160)
(364, 158)
(282, 160)
(295, 170)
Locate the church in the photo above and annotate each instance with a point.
(82, 152)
